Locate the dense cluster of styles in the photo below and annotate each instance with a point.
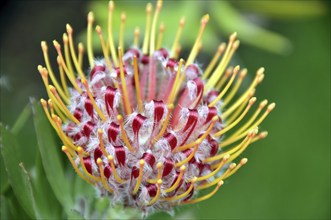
(148, 129)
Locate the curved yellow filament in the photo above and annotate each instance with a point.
(186, 160)
(123, 134)
(160, 36)
(90, 55)
(58, 101)
(153, 31)
(65, 150)
(102, 146)
(148, 28)
(205, 134)
(156, 197)
(214, 60)
(228, 127)
(219, 167)
(140, 177)
(103, 179)
(73, 53)
(164, 124)
(117, 177)
(80, 154)
(104, 47)
(95, 106)
(159, 174)
(127, 105)
(137, 83)
(110, 33)
(216, 75)
(205, 197)
(234, 74)
(179, 178)
(177, 37)
(183, 195)
(196, 46)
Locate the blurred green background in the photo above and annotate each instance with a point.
(288, 174)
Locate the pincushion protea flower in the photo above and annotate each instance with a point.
(145, 127)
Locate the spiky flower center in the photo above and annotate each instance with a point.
(145, 127)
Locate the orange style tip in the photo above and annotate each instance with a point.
(111, 6)
(79, 150)
(194, 179)
(263, 134)
(244, 161)
(182, 21)
(99, 161)
(182, 168)
(236, 69)
(205, 19)
(58, 60)
(260, 70)
(142, 162)
(159, 182)
(162, 27)
(110, 158)
(56, 44)
(226, 157)
(255, 131)
(81, 47)
(233, 36)
(54, 118)
(43, 102)
(69, 29)
(220, 183)
(119, 117)
(232, 166)
(215, 118)
(252, 101)
(243, 73)
(123, 16)
(52, 89)
(100, 131)
(64, 148)
(65, 38)
(40, 68)
(159, 165)
(221, 47)
(271, 106)
(171, 106)
(98, 29)
(43, 45)
(263, 104)
(149, 7)
(236, 44)
(90, 17)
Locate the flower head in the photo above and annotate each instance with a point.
(148, 129)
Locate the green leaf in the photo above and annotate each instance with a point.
(12, 158)
(11, 208)
(28, 186)
(3, 178)
(51, 161)
(46, 201)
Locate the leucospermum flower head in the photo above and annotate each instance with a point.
(148, 129)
